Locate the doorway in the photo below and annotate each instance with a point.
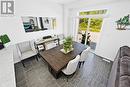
(90, 27)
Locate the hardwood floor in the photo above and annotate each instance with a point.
(94, 73)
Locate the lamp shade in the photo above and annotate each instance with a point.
(5, 39)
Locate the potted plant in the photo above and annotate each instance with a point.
(67, 44)
(123, 22)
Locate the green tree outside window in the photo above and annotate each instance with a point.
(95, 23)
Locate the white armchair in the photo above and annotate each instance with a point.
(72, 66)
(84, 55)
(26, 49)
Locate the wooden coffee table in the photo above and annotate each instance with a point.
(57, 60)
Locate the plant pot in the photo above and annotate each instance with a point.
(65, 52)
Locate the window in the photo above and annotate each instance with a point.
(95, 12)
(95, 23)
(83, 24)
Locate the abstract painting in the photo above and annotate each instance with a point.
(32, 24)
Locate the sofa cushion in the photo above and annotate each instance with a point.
(125, 51)
(125, 66)
(124, 81)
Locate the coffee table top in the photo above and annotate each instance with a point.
(57, 60)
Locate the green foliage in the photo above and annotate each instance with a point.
(83, 24)
(123, 22)
(95, 24)
(94, 12)
(4, 38)
(67, 44)
(94, 30)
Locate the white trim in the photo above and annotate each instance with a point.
(94, 16)
(92, 9)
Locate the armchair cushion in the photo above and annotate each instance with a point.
(28, 54)
(24, 46)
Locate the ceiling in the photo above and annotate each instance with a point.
(71, 1)
(63, 1)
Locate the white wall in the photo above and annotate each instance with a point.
(13, 26)
(110, 39)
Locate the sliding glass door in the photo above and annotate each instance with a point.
(89, 27)
(83, 24)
